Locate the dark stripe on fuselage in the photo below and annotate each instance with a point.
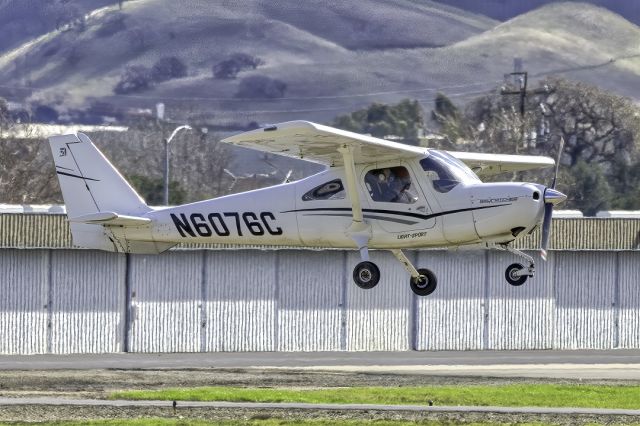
(76, 176)
(394, 212)
(366, 216)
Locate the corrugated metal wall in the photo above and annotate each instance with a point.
(86, 301)
(240, 301)
(80, 301)
(627, 300)
(24, 300)
(585, 300)
(453, 317)
(378, 319)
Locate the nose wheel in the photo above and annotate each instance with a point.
(366, 275)
(514, 276)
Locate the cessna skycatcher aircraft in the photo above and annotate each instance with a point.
(374, 194)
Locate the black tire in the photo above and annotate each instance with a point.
(366, 275)
(426, 284)
(512, 279)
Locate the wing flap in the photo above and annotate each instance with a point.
(492, 164)
(319, 143)
(111, 218)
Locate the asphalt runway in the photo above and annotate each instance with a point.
(578, 364)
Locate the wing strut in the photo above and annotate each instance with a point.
(359, 231)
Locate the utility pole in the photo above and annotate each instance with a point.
(523, 79)
(167, 142)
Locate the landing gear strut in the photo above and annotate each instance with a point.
(516, 274)
(423, 282)
(366, 274)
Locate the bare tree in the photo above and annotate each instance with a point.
(27, 174)
(601, 130)
(197, 159)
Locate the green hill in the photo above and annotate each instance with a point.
(331, 56)
(313, 46)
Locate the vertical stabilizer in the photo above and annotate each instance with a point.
(89, 182)
(91, 185)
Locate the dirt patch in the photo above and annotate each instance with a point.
(98, 384)
(32, 413)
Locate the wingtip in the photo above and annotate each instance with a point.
(284, 126)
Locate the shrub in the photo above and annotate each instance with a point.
(167, 68)
(230, 67)
(259, 86)
(133, 79)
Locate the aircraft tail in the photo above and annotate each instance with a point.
(104, 211)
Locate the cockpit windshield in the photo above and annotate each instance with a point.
(446, 171)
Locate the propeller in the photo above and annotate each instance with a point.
(551, 198)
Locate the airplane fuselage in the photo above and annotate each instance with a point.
(291, 214)
(376, 194)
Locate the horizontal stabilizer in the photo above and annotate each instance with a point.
(111, 218)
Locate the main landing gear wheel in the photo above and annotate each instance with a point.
(512, 276)
(425, 284)
(366, 275)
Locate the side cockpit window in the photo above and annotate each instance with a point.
(390, 185)
(333, 190)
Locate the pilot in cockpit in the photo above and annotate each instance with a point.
(402, 187)
(391, 185)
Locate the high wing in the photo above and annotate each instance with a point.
(493, 164)
(315, 142)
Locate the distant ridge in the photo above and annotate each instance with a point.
(331, 59)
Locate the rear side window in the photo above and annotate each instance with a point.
(332, 190)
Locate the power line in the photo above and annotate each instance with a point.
(293, 98)
(344, 96)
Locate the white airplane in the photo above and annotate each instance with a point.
(374, 194)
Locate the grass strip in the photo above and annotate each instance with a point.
(516, 395)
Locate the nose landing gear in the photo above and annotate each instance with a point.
(516, 274)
